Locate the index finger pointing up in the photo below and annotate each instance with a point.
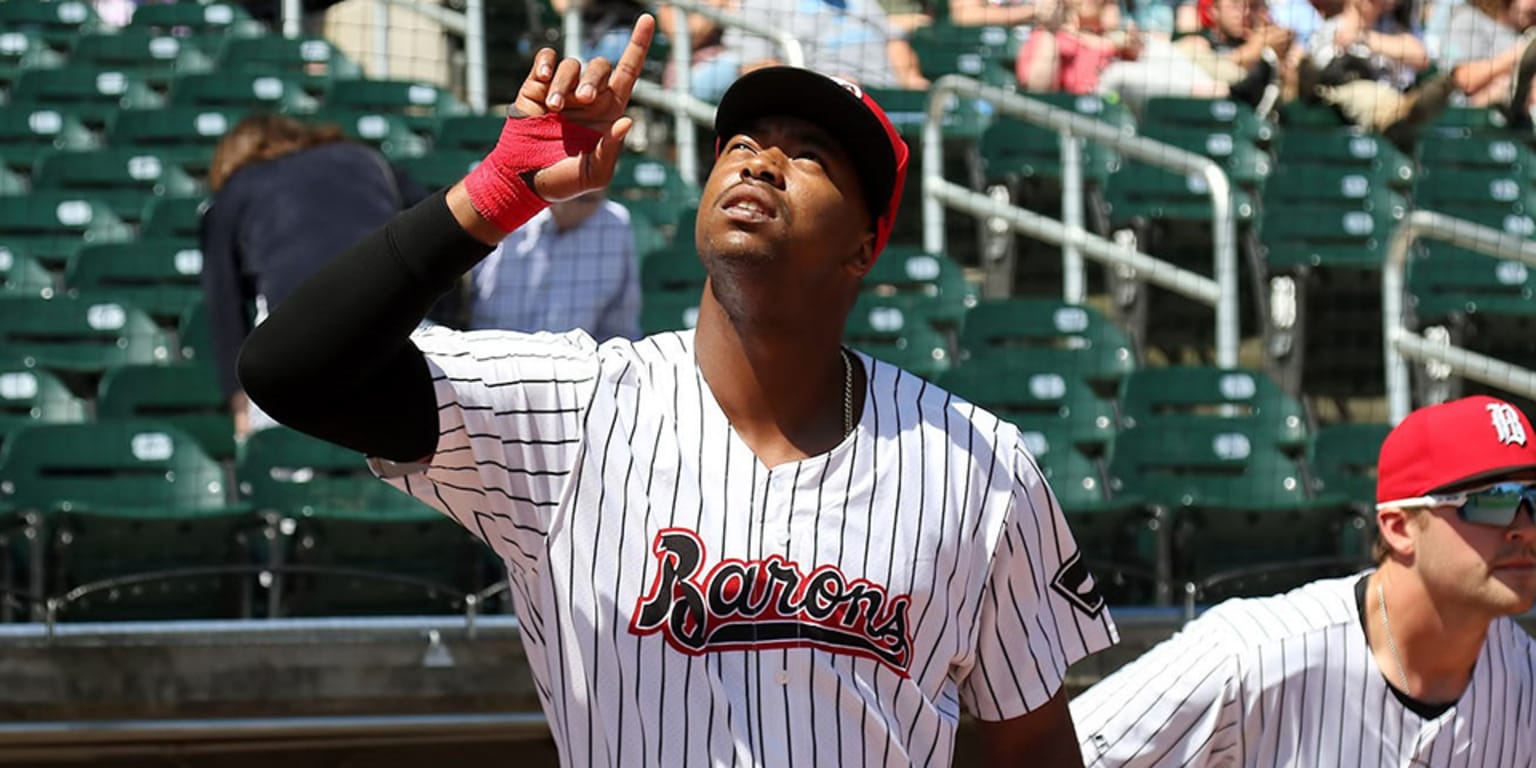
(627, 70)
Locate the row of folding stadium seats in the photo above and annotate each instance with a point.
(131, 519)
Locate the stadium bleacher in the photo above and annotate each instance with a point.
(1169, 471)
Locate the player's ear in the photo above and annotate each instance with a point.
(1398, 530)
(863, 258)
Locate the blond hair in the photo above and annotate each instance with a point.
(263, 137)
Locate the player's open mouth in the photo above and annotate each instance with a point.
(748, 204)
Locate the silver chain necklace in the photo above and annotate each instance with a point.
(1402, 672)
(847, 392)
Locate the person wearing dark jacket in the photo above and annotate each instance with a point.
(288, 196)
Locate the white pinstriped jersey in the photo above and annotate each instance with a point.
(1289, 680)
(682, 604)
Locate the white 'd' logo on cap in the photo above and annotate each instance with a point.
(1506, 421)
(850, 87)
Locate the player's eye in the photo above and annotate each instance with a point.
(811, 155)
(740, 145)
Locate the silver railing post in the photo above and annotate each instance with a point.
(475, 86)
(1401, 345)
(1074, 283)
(380, 40)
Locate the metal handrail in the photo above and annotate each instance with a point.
(1401, 345)
(1193, 589)
(1221, 292)
(54, 605)
(470, 25)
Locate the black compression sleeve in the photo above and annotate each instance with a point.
(335, 359)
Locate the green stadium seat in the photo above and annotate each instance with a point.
(90, 94)
(910, 271)
(1329, 217)
(669, 311)
(156, 58)
(124, 179)
(474, 133)
(1479, 152)
(1233, 502)
(1171, 398)
(243, 90)
(422, 104)
(1344, 459)
(160, 276)
(185, 396)
(351, 532)
(28, 132)
(12, 183)
(32, 396)
(1462, 187)
(58, 23)
(80, 334)
(185, 136)
(897, 330)
(120, 499)
(653, 189)
(1449, 281)
(1034, 396)
(24, 50)
(218, 18)
(983, 53)
(51, 224)
(964, 119)
(1115, 535)
(386, 132)
(441, 167)
(1210, 115)
(675, 270)
(1083, 342)
(180, 217)
(1246, 165)
(22, 275)
(1346, 151)
(194, 336)
(1013, 150)
(314, 61)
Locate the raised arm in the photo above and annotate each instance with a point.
(335, 360)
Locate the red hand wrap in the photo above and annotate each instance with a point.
(499, 186)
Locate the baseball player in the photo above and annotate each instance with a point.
(741, 545)
(1413, 663)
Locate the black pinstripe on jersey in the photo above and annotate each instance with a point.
(569, 459)
(1290, 680)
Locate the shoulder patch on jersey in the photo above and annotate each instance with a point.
(1075, 583)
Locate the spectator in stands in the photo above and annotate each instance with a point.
(287, 196)
(1072, 42)
(1482, 26)
(605, 25)
(992, 13)
(851, 39)
(571, 266)
(1366, 62)
(711, 71)
(1237, 56)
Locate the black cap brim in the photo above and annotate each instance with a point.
(823, 101)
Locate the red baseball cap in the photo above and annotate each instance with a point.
(843, 110)
(1451, 444)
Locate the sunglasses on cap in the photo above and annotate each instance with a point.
(1495, 505)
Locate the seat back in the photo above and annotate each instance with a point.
(1344, 457)
(227, 19)
(81, 334)
(243, 90)
(935, 278)
(27, 132)
(124, 179)
(1087, 343)
(185, 396)
(1178, 397)
(1036, 397)
(50, 224)
(34, 396)
(129, 465)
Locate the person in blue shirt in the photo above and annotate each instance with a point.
(571, 266)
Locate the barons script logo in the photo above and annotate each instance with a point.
(762, 604)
